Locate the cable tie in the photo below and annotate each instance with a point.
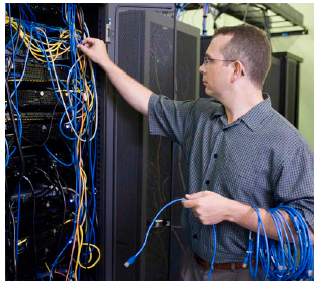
(250, 235)
(204, 16)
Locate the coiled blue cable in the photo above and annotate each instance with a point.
(282, 254)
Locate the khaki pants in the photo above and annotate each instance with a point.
(192, 271)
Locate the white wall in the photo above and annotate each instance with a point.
(302, 46)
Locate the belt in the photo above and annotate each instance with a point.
(222, 266)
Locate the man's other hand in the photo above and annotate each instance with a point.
(95, 49)
(211, 208)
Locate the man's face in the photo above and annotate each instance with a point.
(216, 74)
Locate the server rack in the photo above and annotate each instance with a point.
(113, 111)
(204, 43)
(187, 88)
(131, 40)
(282, 84)
(153, 27)
(52, 185)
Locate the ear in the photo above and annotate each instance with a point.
(238, 71)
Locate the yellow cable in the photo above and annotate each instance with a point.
(21, 242)
(88, 100)
(48, 269)
(97, 260)
(35, 50)
(67, 221)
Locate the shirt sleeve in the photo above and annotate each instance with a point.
(168, 117)
(295, 186)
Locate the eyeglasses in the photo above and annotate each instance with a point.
(208, 59)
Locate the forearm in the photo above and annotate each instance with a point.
(245, 216)
(134, 93)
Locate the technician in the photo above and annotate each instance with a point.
(240, 152)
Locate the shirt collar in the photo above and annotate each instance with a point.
(258, 113)
(254, 117)
(219, 111)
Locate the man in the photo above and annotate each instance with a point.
(240, 152)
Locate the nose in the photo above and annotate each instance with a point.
(202, 68)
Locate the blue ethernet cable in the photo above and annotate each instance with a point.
(20, 133)
(305, 269)
(133, 258)
(184, 6)
(7, 152)
(68, 243)
(291, 262)
(214, 252)
(33, 19)
(258, 248)
(283, 264)
(18, 225)
(65, 164)
(24, 66)
(39, 275)
(280, 255)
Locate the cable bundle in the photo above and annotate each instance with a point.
(78, 96)
(205, 13)
(180, 7)
(279, 259)
(56, 48)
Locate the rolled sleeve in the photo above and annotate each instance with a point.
(168, 117)
(295, 186)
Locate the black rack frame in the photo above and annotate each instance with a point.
(257, 14)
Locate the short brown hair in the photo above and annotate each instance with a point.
(251, 46)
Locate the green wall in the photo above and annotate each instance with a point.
(302, 46)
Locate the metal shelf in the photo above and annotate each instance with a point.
(277, 19)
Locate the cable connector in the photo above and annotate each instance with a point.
(130, 261)
(245, 262)
(310, 273)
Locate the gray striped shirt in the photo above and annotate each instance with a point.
(260, 159)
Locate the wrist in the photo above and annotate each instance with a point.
(238, 212)
(106, 64)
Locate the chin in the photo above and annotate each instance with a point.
(208, 92)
